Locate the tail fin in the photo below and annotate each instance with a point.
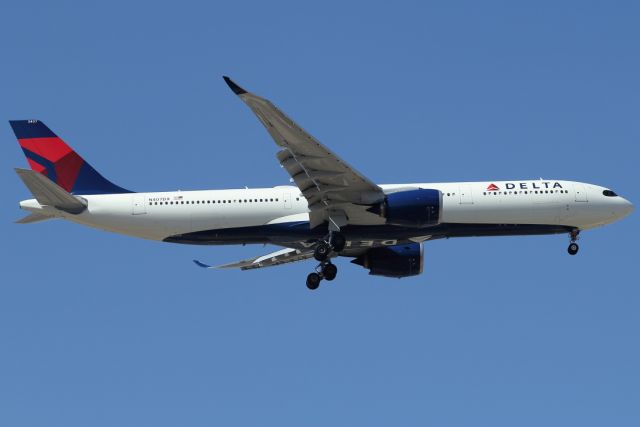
(49, 155)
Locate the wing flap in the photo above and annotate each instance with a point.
(283, 256)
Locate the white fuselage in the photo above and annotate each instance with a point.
(159, 215)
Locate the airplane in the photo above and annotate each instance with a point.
(331, 211)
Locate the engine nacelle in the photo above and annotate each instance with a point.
(412, 208)
(393, 261)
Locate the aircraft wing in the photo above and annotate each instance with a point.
(335, 191)
(282, 256)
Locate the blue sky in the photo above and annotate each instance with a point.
(100, 329)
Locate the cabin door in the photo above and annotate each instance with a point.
(286, 196)
(466, 196)
(139, 204)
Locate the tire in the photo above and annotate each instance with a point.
(313, 281)
(338, 242)
(322, 251)
(573, 249)
(330, 271)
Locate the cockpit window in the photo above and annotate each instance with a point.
(609, 193)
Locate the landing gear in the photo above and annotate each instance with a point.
(573, 246)
(325, 270)
(329, 271)
(313, 281)
(322, 251)
(335, 242)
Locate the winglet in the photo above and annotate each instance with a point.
(201, 264)
(234, 87)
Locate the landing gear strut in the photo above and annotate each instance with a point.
(573, 246)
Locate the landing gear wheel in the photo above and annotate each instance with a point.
(337, 242)
(573, 249)
(313, 281)
(330, 271)
(321, 253)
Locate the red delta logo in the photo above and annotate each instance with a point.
(493, 187)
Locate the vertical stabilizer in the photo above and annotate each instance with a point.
(49, 155)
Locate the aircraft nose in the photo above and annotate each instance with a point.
(623, 208)
(628, 207)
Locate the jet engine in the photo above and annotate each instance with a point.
(412, 208)
(393, 261)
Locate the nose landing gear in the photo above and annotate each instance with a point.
(573, 246)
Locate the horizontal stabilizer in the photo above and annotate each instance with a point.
(34, 217)
(48, 193)
(282, 256)
(202, 264)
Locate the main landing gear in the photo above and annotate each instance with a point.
(573, 246)
(326, 270)
(335, 243)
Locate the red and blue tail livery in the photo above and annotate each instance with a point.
(49, 155)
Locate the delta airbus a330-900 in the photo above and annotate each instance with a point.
(332, 210)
